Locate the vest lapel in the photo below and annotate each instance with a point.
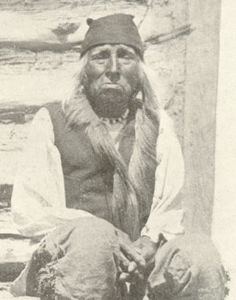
(127, 140)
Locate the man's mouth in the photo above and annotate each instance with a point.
(109, 85)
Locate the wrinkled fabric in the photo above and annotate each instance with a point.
(76, 261)
(188, 268)
(80, 262)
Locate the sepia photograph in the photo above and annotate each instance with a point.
(117, 150)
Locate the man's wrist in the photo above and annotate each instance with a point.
(146, 247)
(148, 239)
(158, 240)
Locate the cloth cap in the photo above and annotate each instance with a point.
(112, 29)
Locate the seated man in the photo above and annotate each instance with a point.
(98, 184)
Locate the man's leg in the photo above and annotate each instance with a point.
(187, 268)
(76, 261)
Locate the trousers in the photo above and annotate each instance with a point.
(79, 261)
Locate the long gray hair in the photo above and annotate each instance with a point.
(129, 181)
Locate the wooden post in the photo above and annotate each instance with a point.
(224, 213)
(199, 113)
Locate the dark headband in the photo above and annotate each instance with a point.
(112, 29)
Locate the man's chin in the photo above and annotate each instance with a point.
(112, 90)
(110, 104)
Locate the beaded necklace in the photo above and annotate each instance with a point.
(121, 120)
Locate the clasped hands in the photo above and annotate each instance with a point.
(135, 258)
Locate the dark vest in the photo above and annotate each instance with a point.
(88, 178)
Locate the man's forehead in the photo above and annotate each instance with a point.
(110, 47)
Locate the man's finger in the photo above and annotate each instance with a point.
(137, 275)
(132, 254)
(132, 278)
(124, 277)
(132, 267)
(124, 262)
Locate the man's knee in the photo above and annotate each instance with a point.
(93, 229)
(188, 266)
(90, 246)
(83, 231)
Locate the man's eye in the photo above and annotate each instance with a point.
(99, 57)
(99, 60)
(126, 57)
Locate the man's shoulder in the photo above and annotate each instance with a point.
(48, 117)
(53, 107)
(55, 110)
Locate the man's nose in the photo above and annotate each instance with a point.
(113, 70)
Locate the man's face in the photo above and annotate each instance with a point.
(112, 79)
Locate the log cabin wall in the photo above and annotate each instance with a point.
(39, 50)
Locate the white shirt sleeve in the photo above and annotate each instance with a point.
(38, 199)
(166, 217)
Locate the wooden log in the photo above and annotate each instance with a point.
(62, 28)
(14, 254)
(200, 113)
(7, 227)
(17, 113)
(59, 28)
(14, 125)
(33, 6)
(15, 249)
(64, 44)
(5, 196)
(9, 271)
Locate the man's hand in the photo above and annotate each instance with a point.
(129, 255)
(135, 258)
(147, 249)
(132, 262)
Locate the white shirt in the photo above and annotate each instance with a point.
(38, 199)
